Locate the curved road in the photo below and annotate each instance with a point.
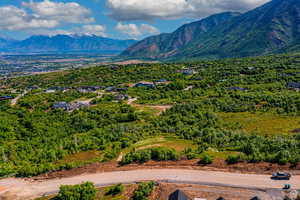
(30, 189)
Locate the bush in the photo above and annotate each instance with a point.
(142, 156)
(206, 160)
(233, 159)
(116, 189)
(143, 191)
(86, 191)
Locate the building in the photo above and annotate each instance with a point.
(56, 89)
(87, 89)
(237, 89)
(121, 97)
(2, 98)
(69, 106)
(293, 86)
(110, 89)
(145, 84)
(178, 195)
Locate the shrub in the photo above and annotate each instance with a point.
(86, 191)
(206, 160)
(143, 191)
(233, 159)
(116, 189)
(142, 156)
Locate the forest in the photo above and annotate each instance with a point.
(247, 109)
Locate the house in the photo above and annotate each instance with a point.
(189, 72)
(69, 106)
(61, 105)
(56, 89)
(293, 86)
(145, 84)
(87, 89)
(110, 89)
(178, 195)
(237, 89)
(121, 97)
(2, 98)
(122, 89)
(33, 87)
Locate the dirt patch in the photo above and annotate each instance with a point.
(130, 62)
(297, 130)
(160, 108)
(218, 165)
(2, 188)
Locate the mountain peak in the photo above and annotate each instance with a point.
(273, 27)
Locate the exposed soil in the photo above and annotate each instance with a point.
(218, 165)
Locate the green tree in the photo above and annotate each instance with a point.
(85, 191)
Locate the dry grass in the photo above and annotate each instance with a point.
(80, 157)
(261, 123)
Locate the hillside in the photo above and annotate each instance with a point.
(271, 28)
(66, 43)
(226, 111)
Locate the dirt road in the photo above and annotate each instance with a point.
(21, 189)
(15, 100)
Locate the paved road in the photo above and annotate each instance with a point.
(27, 190)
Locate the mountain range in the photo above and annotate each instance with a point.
(272, 28)
(64, 43)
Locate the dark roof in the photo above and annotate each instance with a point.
(237, 88)
(293, 85)
(220, 198)
(255, 198)
(178, 195)
(5, 97)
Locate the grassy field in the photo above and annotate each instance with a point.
(261, 123)
(81, 158)
(161, 141)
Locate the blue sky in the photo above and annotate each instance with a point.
(121, 19)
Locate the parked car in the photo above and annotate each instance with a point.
(281, 176)
(287, 187)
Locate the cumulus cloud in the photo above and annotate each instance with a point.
(97, 30)
(135, 31)
(13, 18)
(169, 9)
(45, 14)
(64, 12)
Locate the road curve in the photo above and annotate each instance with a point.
(31, 189)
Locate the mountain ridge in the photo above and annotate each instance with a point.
(271, 28)
(66, 43)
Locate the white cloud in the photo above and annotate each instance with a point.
(98, 30)
(135, 31)
(13, 18)
(64, 12)
(125, 10)
(44, 14)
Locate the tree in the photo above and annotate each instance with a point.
(116, 189)
(86, 191)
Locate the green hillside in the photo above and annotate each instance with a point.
(242, 108)
(271, 28)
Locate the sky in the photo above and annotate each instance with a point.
(120, 19)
